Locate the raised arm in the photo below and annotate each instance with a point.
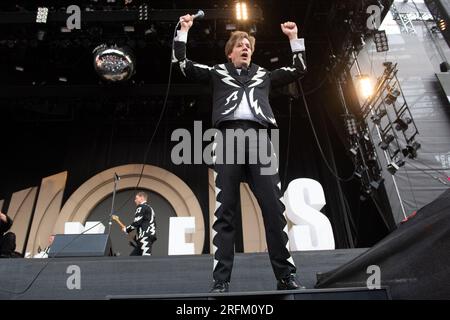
(190, 69)
(283, 76)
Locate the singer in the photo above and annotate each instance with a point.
(241, 101)
(144, 224)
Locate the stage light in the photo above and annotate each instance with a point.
(392, 96)
(388, 65)
(387, 139)
(20, 68)
(381, 41)
(241, 11)
(113, 63)
(143, 12)
(411, 150)
(40, 35)
(442, 24)
(354, 150)
(402, 124)
(444, 66)
(394, 166)
(365, 86)
(42, 14)
(376, 118)
(351, 126)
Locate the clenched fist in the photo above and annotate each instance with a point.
(290, 29)
(186, 22)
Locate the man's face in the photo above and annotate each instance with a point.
(241, 54)
(138, 200)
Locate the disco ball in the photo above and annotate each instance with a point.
(113, 64)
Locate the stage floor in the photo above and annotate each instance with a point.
(170, 276)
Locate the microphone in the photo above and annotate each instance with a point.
(200, 15)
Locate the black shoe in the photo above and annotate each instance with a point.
(289, 283)
(219, 287)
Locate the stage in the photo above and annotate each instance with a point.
(172, 277)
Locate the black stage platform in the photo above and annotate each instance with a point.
(174, 277)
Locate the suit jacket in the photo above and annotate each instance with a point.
(229, 87)
(144, 222)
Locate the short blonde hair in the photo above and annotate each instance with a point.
(237, 36)
(142, 194)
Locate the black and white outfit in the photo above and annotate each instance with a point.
(7, 239)
(241, 101)
(145, 226)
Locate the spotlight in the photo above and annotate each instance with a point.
(376, 118)
(40, 35)
(241, 11)
(392, 168)
(143, 12)
(381, 41)
(392, 96)
(365, 86)
(402, 124)
(350, 124)
(411, 150)
(42, 14)
(113, 63)
(359, 172)
(395, 165)
(388, 65)
(444, 66)
(387, 139)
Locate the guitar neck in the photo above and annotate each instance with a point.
(120, 223)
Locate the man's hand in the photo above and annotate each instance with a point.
(290, 29)
(186, 22)
(3, 217)
(124, 230)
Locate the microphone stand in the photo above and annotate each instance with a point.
(116, 180)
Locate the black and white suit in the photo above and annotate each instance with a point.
(229, 86)
(145, 226)
(230, 111)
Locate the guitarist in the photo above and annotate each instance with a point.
(144, 224)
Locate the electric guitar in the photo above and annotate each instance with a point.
(116, 219)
